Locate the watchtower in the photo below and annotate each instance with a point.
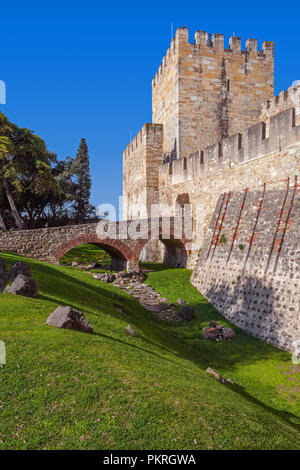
(203, 93)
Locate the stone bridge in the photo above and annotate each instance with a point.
(123, 241)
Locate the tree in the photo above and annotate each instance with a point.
(36, 181)
(8, 172)
(25, 171)
(2, 222)
(59, 207)
(82, 207)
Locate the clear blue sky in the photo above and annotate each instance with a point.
(84, 69)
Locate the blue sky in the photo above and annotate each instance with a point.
(84, 69)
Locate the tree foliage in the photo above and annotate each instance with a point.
(36, 188)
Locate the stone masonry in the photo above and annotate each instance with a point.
(201, 94)
(123, 241)
(249, 267)
(247, 160)
(231, 150)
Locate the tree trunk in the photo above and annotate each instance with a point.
(18, 219)
(2, 223)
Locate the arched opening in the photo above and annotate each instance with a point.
(153, 252)
(86, 254)
(175, 253)
(185, 211)
(118, 260)
(113, 251)
(165, 251)
(183, 199)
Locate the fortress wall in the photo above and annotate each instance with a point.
(286, 99)
(249, 267)
(239, 162)
(141, 161)
(165, 98)
(203, 92)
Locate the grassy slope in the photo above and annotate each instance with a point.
(63, 389)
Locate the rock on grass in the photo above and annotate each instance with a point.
(69, 318)
(24, 286)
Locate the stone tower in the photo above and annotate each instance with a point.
(201, 94)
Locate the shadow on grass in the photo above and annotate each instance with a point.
(289, 418)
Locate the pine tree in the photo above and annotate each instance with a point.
(82, 175)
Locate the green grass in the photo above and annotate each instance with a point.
(86, 254)
(63, 389)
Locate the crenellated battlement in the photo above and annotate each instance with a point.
(170, 54)
(204, 42)
(237, 149)
(285, 99)
(148, 131)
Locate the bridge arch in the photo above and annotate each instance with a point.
(122, 256)
(175, 254)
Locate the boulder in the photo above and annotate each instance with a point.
(69, 318)
(19, 268)
(93, 265)
(108, 277)
(130, 331)
(211, 333)
(181, 302)
(217, 332)
(134, 276)
(186, 313)
(23, 285)
(152, 308)
(163, 306)
(228, 334)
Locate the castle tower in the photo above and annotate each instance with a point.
(203, 92)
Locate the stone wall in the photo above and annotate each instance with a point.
(123, 241)
(285, 100)
(249, 267)
(50, 244)
(203, 92)
(141, 161)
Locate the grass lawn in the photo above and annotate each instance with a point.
(63, 389)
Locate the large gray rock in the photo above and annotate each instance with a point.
(186, 313)
(130, 331)
(23, 285)
(19, 268)
(217, 332)
(228, 334)
(211, 333)
(69, 318)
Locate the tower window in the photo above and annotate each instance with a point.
(201, 157)
(228, 85)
